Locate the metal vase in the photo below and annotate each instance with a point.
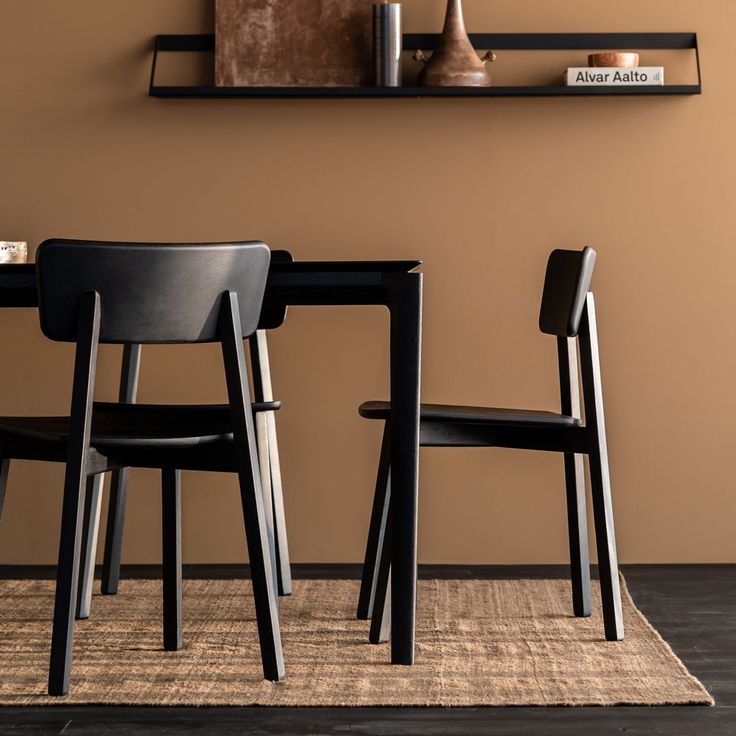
(387, 44)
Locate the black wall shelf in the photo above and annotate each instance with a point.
(497, 41)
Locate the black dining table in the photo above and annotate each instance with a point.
(392, 284)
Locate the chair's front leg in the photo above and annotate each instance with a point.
(577, 527)
(577, 520)
(90, 529)
(381, 613)
(75, 481)
(171, 549)
(72, 516)
(377, 528)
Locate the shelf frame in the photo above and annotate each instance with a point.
(204, 43)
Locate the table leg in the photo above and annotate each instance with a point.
(405, 305)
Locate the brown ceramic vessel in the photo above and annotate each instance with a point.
(455, 63)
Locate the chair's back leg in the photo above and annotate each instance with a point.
(75, 481)
(171, 556)
(283, 563)
(4, 469)
(264, 466)
(119, 482)
(577, 521)
(264, 591)
(600, 476)
(92, 506)
(376, 529)
(263, 391)
(117, 499)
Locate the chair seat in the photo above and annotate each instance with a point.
(138, 425)
(474, 415)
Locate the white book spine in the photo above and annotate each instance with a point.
(614, 76)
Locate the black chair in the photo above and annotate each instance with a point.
(568, 312)
(272, 316)
(92, 293)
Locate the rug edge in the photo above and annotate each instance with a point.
(708, 699)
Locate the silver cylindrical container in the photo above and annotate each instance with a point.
(387, 44)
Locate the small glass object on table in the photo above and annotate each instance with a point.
(13, 251)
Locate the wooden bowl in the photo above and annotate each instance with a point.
(614, 58)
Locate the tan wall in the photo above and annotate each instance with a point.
(479, 189)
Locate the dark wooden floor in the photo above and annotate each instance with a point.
(692, 606)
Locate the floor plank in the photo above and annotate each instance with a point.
(692, 606)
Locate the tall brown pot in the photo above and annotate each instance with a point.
(455, 62)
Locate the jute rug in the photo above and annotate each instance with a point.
(491, 642)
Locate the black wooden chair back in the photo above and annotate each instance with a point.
(150, 293)
(566, 284)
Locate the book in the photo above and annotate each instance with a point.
(614, 76)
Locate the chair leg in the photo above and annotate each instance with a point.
(4, 469)
(381, 615)
(264, 591)
(264, 466)
(606, 543)
(114, 532)
(263, 391)
(75, 482)
(377, 529)
(577, 525)
(283, 565)
(171, 548)
(90, 529)
(67, 580)
(129, 371)
(600, 478)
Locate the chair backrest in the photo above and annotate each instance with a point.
(565, 285)
(149, 293)
(273, 314)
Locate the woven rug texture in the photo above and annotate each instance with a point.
(479, 643)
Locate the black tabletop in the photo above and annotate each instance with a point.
(18, 280)
(344, 266)
(10, 271)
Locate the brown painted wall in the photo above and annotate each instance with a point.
(479, 189)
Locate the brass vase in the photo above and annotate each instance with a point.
(455, 62)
